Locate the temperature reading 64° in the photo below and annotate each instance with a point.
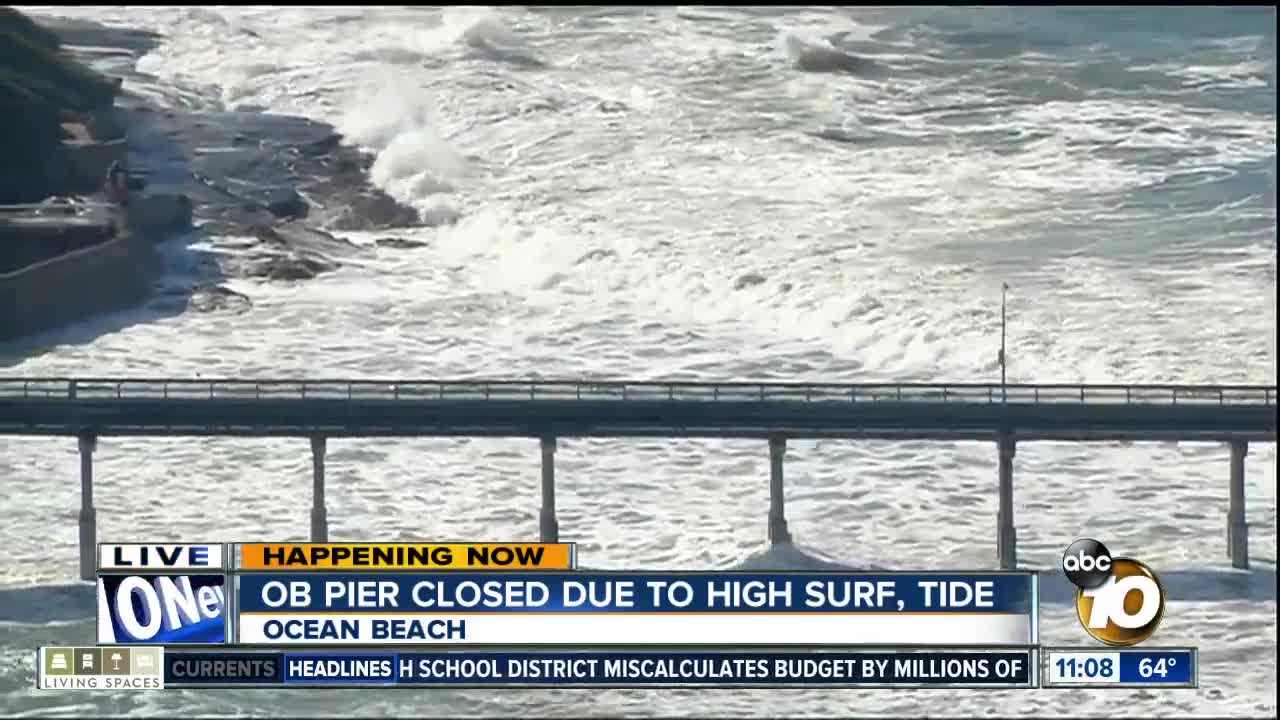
(1157, 667)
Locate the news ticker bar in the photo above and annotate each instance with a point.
(312, 557)
(149, 668)
(154, 668)
(1121, 667)
(252, 668)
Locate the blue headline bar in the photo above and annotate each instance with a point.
(623, 592)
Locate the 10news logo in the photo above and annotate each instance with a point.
(1119, 601)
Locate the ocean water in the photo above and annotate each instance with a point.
(725, 193)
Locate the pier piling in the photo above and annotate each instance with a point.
(1006, 534)
(88, 515)
(548, 526)
(1237, 528)
(319, 513)
(778, 532)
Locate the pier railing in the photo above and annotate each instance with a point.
(510, 390)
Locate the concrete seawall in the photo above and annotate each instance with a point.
(73, 286)
(30, 240)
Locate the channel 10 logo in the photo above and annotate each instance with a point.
(1119, 601)
(161, 609)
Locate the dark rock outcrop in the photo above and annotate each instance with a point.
(374, 211)
(287, 203)
(277, 179)
(208, 297)
(287, 265)
(399, 243)
(300, 235)
(748, 280)
(289, 251)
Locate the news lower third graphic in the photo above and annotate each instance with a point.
(100, 668)
(1119, 601)
(268, 615)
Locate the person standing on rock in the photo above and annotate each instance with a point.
(118, 183)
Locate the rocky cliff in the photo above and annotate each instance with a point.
(241, 194)
(41, 89)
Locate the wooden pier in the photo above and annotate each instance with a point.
(1006, 415)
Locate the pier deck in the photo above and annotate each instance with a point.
(89, 408)
(362, 408)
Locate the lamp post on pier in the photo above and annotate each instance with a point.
(1004, 291)
(1006, 534)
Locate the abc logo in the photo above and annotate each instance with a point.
(1119, 601)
